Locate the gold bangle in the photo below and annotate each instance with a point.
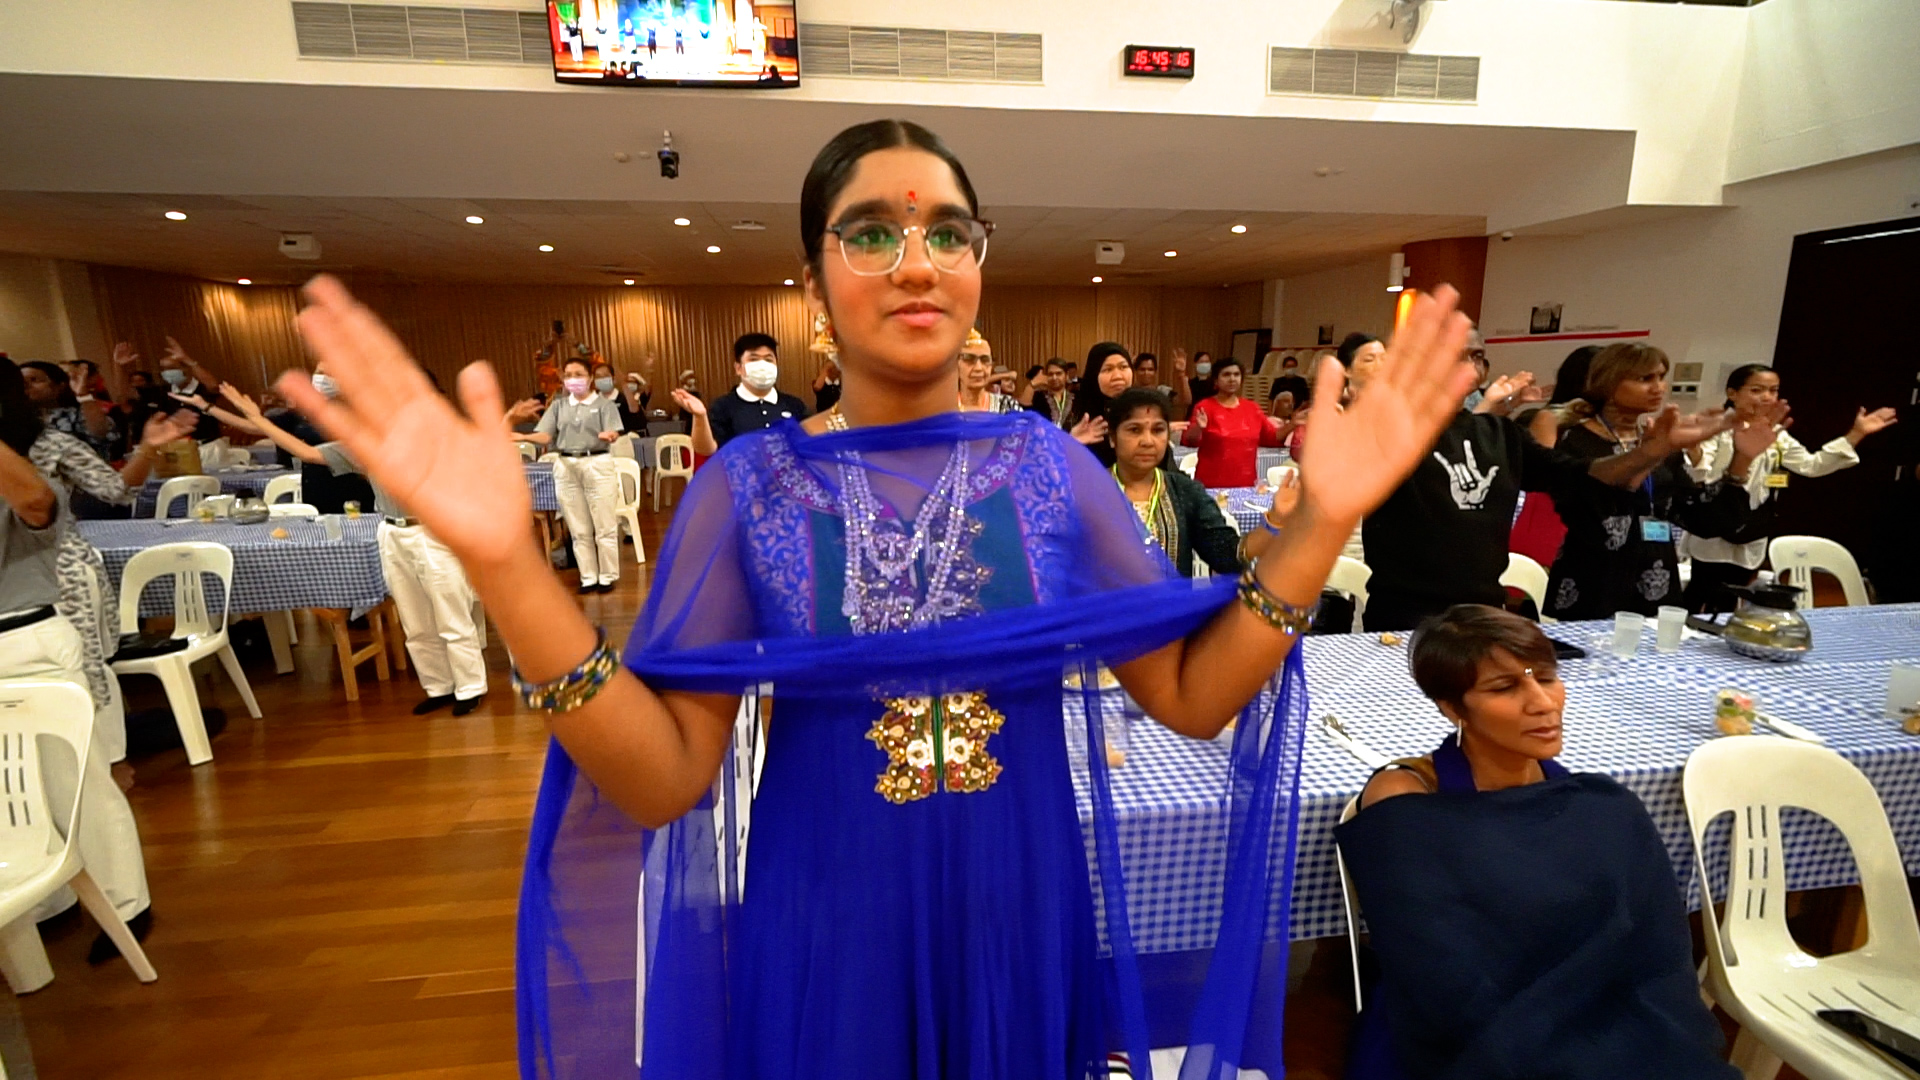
(576, 687)
(1275, 612)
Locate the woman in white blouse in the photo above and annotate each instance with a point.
(1753, 390)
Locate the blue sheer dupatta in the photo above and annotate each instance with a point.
(611, 914)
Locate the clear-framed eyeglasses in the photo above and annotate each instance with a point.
(874, 247)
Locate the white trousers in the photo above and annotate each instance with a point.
(108, 840)
(436, 611)
(585, 490)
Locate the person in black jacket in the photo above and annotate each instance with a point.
(1179, 515)
(756, 403)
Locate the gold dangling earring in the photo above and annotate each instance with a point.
(824, 340)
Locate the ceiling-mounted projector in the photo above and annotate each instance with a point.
(1109, 252)
(300, 246)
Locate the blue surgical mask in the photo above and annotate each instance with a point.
(603, 384)
(174, 377)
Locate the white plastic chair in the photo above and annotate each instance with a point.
(1189, 464)
(528, 451)
(1795, 558)
(193, 488)
(672, 456)
(1530, 578)
(1350, 904)
(623, 447)
(626, 504)
(36, 859)
(1754, 968)
(288, 485)
(292, 510)
(1350, 576)
(205, 634)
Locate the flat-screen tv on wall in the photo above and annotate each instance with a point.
(745, 43)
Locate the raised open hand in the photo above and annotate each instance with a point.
(194, 400)
(1090, 431)
(124, 356)
(163, 428)
(459, 474)
(241, 403)
(525, 411)
(1200, 419)
(1505, 393)
(689, 403)
(1870, 423)
(1672, 430)
(1354, 458)
(1179, 361)
(1286, 496)
(1752, 437)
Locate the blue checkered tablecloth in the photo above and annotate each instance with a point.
(1246, 507)
(1635, 720)
(306, 570)
(540, 479)
(232, 482)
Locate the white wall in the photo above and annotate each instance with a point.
(1825, 80)
(1707, 283)
(1352, 297)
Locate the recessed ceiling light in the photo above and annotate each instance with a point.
(713, 249)
(1169, 254)
(681, 221)
(1097, 279)
(629, 281)
(476, 219)
(176, 215)
(789, 281)
(1238, 229)
(546, 247)
(244, 281)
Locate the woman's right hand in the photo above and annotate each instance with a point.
(688, 403)
(459, 474)
(1200, 419)
(1090, 431)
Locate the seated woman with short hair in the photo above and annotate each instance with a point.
(1526, 918)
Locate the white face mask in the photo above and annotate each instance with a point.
(760, 375)
(1202, 369)
(325, 384)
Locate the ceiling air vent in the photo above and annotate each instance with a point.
(1375, 74)
(915, 54)
(439, 35)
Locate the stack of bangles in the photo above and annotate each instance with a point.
(1275, 612)
(1267, 526)
(576, 687)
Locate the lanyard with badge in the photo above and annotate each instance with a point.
(1652, 529)
(1776, 468)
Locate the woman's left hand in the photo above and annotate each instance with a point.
(194, 400)
(1752, 437)
(1871, 423)
(1356, 456)
(163, 428)
(1090, 431)
(689, 403)
(1285, 497)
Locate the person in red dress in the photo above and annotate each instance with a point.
(1229, 430)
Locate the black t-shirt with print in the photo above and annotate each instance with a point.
(1441, 537)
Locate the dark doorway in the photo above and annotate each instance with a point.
(1845, 342)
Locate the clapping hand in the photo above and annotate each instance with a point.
(460, 474)
(524, 411)
(194, 400)
(1507, 392)
(163, 428)
(1090, 431)
(689, 403)
(1752, 437)
(1670, 430)
(241, 403)
(1870, 423)
(1354, 458)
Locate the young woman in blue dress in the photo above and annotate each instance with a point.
(921, 903)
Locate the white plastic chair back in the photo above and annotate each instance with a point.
(673, 455)
(1189, 463)
(528, 451)
(192, 488)
(293, 510)
(30, 840)
(1350, 576)
(186, 561)
(1795, 558)
(1276, 473)
(288, 486)
(1527, 576)
(1755, 969)
(623, 447)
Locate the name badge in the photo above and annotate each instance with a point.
(1656, 532)
(1777, 479)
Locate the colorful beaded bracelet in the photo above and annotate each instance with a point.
(576, 687)
(1274, 611)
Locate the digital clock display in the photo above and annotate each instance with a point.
(1157, 61)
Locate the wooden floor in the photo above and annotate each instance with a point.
(334, 893)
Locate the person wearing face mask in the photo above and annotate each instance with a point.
(180, 374)
(320, 487)
(756, 403)
(580, 426)
(607, 384)
(1201, 384)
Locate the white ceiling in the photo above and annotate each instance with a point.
(228, 237)
(384, 175)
